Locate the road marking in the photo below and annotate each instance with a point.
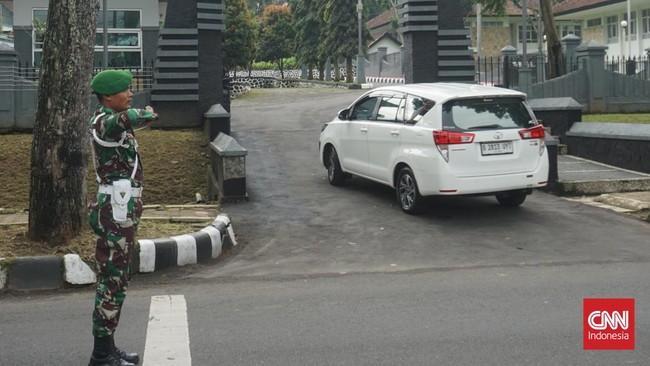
(168, 338)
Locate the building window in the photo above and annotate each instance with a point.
(645, 19)
(124, 19)
(124, 38)
(492, 24)
(39, 18)
(597, 22)
(531, 35)
(571, 29)
(612, 29)
(631, 26)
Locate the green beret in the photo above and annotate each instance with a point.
(109, 82)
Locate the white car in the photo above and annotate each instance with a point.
(439, 139)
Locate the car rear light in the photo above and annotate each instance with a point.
(445, 138)
(536, 132)
(452, 138)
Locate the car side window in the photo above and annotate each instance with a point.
(416, 107)
(391, 109)
(363, 111)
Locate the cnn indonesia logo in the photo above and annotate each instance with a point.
(608, 324)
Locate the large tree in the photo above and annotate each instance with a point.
(308, 22)
(553, 42)
(240, 36)
(341, 31)
(58, 190)
(277, 36)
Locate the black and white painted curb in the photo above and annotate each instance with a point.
(384, 80)
(52, 272)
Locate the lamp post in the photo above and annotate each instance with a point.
(105, 31)
(629, 39)
(624, 26)
(361, 73)
(524, 31)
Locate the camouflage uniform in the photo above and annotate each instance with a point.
(114, 247)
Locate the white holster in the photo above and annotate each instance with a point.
(120, 199)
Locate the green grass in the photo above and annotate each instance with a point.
(642, 118)
(174, 161)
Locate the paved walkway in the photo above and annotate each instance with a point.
(603, 185)
(168, 213)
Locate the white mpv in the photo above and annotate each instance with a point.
(439, 139)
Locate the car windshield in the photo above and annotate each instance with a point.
(485, 113)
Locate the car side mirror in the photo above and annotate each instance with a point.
(344, 114)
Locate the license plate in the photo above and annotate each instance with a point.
(496, 148)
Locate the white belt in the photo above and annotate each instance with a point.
(108, 189)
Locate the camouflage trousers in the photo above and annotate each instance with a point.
(113, 255)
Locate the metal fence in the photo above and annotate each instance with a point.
(143, 77)
(504, 71)
(638, 67)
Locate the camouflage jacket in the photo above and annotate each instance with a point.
(113, 163)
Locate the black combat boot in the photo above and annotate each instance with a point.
(127, 358)
(103, 354)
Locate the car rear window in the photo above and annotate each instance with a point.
(485, 114)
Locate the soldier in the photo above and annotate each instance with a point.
(115, 215)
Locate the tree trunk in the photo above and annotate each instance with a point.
(553, 42)
(349, 74)
(337, 69)
(58, 190)
(321, 70)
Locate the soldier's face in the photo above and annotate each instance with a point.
(120, 101)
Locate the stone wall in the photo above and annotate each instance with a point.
(623, 145)
(242, 85)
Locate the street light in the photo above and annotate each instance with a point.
(624, 26)
(361, 73)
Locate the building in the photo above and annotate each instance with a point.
(598, 20)
(132, 29)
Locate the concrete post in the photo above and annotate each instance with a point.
(381, 56)
(303, 72)
(591, 55)
(647, 64)
(8, 71)
(328, 69)
(570, 43)
(508, 55)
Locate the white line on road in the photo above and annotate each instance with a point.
(168, 338)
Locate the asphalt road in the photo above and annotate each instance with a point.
(296, 223)
(340, 276)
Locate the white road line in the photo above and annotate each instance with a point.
(168, 338)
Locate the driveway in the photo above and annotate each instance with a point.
(296, 223)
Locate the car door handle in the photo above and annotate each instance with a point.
(394, 133)
(364, 129)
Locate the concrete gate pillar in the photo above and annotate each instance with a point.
(189, 62)
(591, 55)
(436, 41)
(8, 67)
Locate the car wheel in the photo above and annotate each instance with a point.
(511, 199)
(408, 196)
(335, 174)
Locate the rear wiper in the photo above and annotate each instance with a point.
(484, 127)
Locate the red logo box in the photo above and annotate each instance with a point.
(608, 324)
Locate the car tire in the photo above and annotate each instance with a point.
(335, 174)
(511, 199)
(408, 195)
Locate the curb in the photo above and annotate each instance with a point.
(624, 202)
(378, 79)
(53, 272)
